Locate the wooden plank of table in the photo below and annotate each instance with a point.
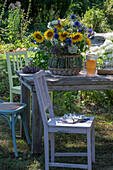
(74, 83)
(25, 98)
(36, 126)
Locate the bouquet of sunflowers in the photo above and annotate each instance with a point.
(64, 37)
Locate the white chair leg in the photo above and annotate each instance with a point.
(52, 146)
(89, 149)
(93, 144)
(46, 143)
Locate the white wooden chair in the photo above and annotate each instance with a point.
(56, 124)
(15, 61)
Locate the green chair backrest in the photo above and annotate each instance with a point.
(15, 62)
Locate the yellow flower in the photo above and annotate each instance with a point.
(65, 22)
(59, 27)
(59, 19)
(49, 34)
(38, 37)
(63, 35)
(76, 37)
(88, 42)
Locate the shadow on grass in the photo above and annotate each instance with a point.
(63, 143)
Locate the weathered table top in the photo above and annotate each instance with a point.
(63, 83)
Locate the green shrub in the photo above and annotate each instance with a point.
(108, 6)
(15, 26)
(44, 16)
(96, 19)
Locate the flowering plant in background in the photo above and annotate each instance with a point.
(64, 37)
(105, 51)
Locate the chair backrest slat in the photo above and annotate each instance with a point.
(20, 61)
(15, 61)
(43, 96)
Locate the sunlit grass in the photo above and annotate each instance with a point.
(63, 143)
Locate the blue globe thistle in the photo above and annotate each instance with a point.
(56, 35)
(88, 35)
(73, 16)
(92, 37)
(77, 24)
(35, 42)
(84, 28)
(80, 30)
(58, 21)
(90, 30)
(55, 30)
(66, 47)
(68, 40)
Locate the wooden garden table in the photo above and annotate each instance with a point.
(55, 83)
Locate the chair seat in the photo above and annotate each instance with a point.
(59, 122)
(6, 106)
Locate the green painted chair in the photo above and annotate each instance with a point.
(10, 112)
(15, 61)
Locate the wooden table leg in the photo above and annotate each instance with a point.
(36, 126)
(25, 98)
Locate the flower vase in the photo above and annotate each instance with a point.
(69, 65)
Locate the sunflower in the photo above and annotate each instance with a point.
(76, 37)
(49, 34)
(38, 37)
(59, 26)
(63, 35)
(88, 42)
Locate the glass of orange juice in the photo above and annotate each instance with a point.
(91, 61)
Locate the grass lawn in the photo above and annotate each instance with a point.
(64, 142)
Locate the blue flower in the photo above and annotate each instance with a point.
(58, 21)
(88, 35)
(92, 37)
(56, 35)
(77, 24)
(55, 30)
(65, 28)
(66, 47)
(35, 42)
(73, 16)
(84, 28)
(68, 40)
(90, 30)
(79, 30)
